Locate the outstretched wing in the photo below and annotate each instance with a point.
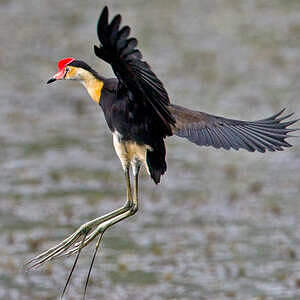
(135, 75)
(208, 130)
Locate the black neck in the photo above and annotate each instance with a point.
(81, 64)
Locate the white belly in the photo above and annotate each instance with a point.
(130, 153)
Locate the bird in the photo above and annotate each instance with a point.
(140, 116)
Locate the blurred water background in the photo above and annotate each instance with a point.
(222, 225)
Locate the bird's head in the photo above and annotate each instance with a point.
(73, 69)
(70, 68)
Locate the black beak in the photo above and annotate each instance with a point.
(51, 80)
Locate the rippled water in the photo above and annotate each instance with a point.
(222, 225)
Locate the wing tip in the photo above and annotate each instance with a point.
(104, 14)
(105, 10)
(103, 20)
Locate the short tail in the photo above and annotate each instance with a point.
(156, 161)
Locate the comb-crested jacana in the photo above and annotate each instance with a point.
(140, 116)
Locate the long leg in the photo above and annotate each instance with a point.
(104, 226)
(136, 187)
(83, 230)
(83, 243)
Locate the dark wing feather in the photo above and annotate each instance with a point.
(208, 130)
(134, 75)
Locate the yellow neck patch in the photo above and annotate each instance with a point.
(94, 87)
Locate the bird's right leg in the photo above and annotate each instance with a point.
(85, 231)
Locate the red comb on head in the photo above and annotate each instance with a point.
(63, 62)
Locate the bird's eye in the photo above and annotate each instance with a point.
(67, 69)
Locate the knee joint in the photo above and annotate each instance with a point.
(134, 209)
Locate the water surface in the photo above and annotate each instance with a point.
(222, 225)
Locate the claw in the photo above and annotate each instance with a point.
(56, 250)
(47, 256)
(99, 230)
(74, 265)
(92, 263)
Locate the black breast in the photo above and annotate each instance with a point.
(134, 121)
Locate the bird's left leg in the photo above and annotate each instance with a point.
(104, 226)
(88, 231)
(132, 209)
(128, 207)
(101, 228)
